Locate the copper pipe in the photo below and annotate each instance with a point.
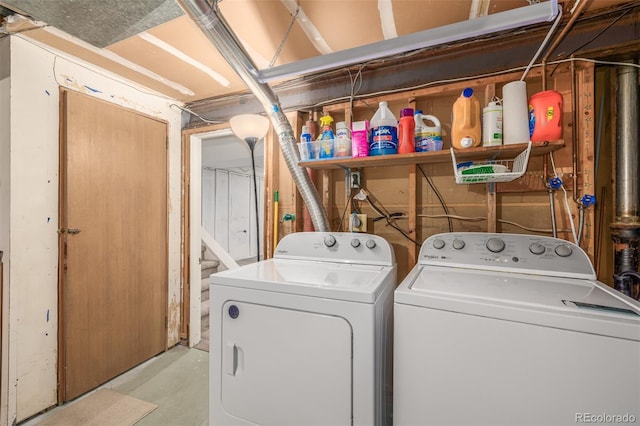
(574, 136)
(558, 40)
(565, 30)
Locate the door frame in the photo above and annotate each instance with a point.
(190, 309)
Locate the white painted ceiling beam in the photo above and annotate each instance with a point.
(307, 26)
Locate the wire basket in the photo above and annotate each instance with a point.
(491, 170)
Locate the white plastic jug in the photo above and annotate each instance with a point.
(427, 138)
(384, 132)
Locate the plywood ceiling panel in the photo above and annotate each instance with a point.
(185, 36)
(345, 24)
(413, 16)
(261, 25)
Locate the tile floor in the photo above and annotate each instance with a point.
(177, 381)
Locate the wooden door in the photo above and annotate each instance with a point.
(113, 280)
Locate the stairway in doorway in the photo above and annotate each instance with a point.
(208, 266)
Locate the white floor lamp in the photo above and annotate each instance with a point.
(251, 128)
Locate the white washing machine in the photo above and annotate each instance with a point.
(305, 338)
(503, 329)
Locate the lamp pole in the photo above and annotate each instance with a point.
(251, 141)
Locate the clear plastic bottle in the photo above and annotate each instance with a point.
(466, 130)
(384, 132)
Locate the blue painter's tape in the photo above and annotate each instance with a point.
(275, 108)
(92, 89)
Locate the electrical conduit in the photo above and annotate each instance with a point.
(214, 26)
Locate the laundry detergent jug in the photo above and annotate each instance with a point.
(427, 138)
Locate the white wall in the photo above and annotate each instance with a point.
(217, 192)
(36, 74)
(5, 133)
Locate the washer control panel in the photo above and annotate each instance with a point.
(507, 252)
(343, 247)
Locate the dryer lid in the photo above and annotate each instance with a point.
(580, 305)
(341, 281)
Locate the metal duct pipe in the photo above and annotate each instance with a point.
(217, 30)
(625, 232)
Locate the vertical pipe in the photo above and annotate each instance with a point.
(627, 185)
(552, 209)
(625, 232)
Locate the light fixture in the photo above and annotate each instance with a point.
(251, 128)
(489, 24)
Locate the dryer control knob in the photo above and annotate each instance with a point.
(438, 243)
(355, 242)
(563, 250)
(370, 244)
(458, 244)
(495, 245)
(537, 248)
(329, 241)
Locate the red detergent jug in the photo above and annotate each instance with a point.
(545, 116)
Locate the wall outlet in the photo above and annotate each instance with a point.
(355, 180)
(358, 222)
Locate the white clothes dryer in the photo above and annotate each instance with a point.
(305, 338)
(505, 329)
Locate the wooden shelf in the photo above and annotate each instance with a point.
(444, 156)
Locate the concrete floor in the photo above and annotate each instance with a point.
(177, 381)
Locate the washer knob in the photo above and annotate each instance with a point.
(563, 250)
(458, 244)
(370, 244)
(495, 245)
(355, 242)
(438, 244)
(537, 248)
(329, 241)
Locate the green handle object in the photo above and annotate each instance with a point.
(275, 196)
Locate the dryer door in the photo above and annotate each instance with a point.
(285, 367)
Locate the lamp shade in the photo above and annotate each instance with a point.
(249, 126)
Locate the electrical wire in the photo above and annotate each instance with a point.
(344, 212)
(437, 193)
(542, 45)
(284, 39)
(301, 84)
(592, 39)
(110, 76)
(185, 109)
(481, 218)
(389, 218)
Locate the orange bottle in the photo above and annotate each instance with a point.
(406, 129)
(466, 130)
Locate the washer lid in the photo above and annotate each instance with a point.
(352, 282)
(573, 304)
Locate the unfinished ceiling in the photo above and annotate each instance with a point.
(153, 43)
